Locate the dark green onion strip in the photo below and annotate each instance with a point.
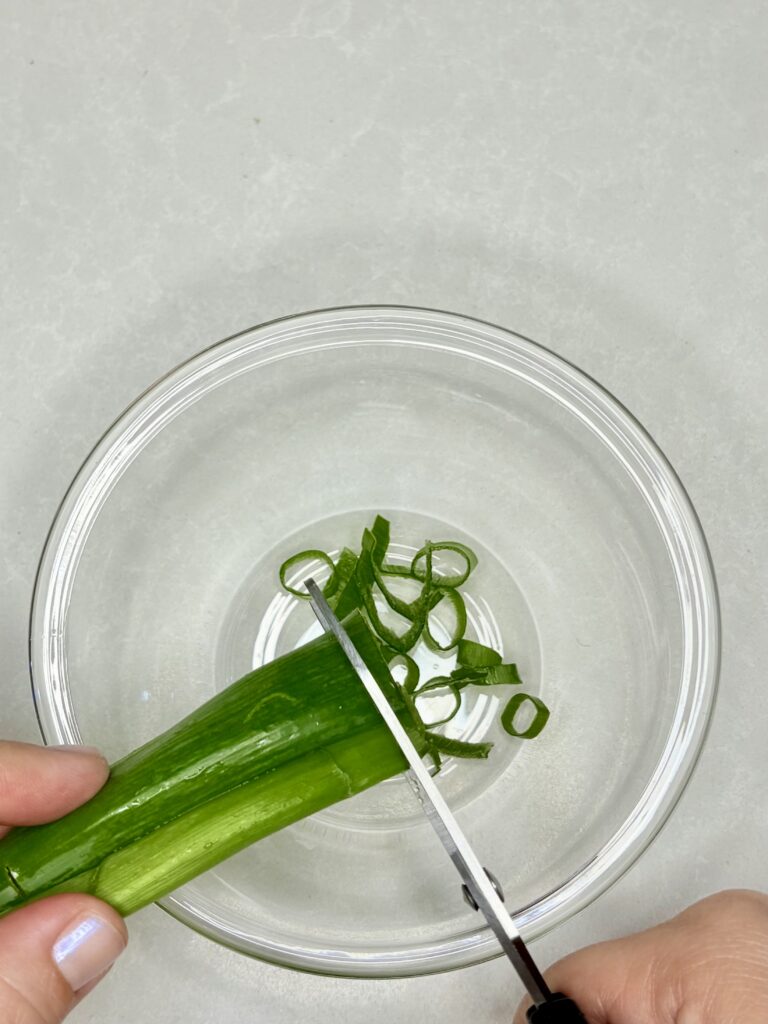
(458, 748)
(471, 654)
(354, 583)
(511, 709)
(347, 597)
(502, 675)
(379, 536)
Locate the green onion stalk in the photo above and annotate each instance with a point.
(283, 742)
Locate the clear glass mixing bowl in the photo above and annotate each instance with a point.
(158, 586)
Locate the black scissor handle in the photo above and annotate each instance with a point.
(558, 1009)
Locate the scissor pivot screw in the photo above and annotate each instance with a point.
(470, 899)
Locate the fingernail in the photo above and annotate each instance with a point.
(76, 748)
(87, 950)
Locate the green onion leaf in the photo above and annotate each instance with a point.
(469, 675)
(434, 753)
(435, 683)
(380, 535)
(502, 675)
(458, 748)
(347, 597)
(471, 654)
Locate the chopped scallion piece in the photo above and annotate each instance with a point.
(366, 582)
(312, 555)
(539, 720)
(471, 654)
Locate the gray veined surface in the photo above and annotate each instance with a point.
(591, 175)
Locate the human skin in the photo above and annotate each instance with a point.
(55, 950)
(707, 965)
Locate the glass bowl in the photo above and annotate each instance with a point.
(158, 586)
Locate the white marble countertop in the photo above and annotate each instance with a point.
(593, 175)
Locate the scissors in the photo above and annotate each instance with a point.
(480, 888)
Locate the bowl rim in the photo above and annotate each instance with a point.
(442, 956)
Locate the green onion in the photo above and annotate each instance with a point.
(452, 597)
(459, 748)
(346, 597)
(436, 683)
(411, 681)
(281, 743)
(358, 580)
(455, 692)
(188, 845)
(466, 554)
(501, 675)
(538, 722)
(277, 729)
(473, 655)
(308, 556)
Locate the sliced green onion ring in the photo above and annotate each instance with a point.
(312, 554)
(454, 598)
(408, 609)
(357, 580)
(539, 719)
(452, 579)
(401, 643)
(455, 692)
(411, 682)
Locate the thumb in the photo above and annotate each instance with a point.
(52, 952)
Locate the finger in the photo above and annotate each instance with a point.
(38, 784)
(612, 982)
(51, 952)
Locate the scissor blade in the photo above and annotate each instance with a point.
(438, 813)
